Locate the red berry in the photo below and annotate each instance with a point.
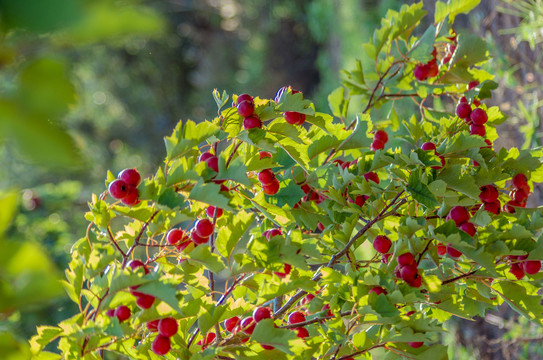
(489, 143)
(153, 325)
(433, 69)
(468, 228)
(463, 110)
(294, 118)
(213, 163)
(406, 259)
(441, 249)
(421, 72)
(204, 156)
(267, 347)
(381, 135)
(134, 264)
(118, 189)
(210, 211)
(416, 283)
(382, 244)
(144, 301)
(208, 339)
(520, 181)
(132, 196)
(167, 327)
(230, 324)
(442, 159)
(475, 129)
(123, 313)
(377, 290)
(307, 299)
(264, 154)
(244, 97)
(489, 193)
(360, 200)
(377, 145)
(197, 239)
(248, 325)
(272, 188)
(266, 177)
(302, 332)
(453, 252)
(408, 273)
(271, 233)
(252, 122)
(531, 266)
(427, 146)
(204, 228)
(459, 215)
(110, 313)
(130, 176)
(517, 271)
(478, 116)
(415, 344)
(371, 176)
(472, 84)
(286, 270)
(320, 226)
(386, 258)
(493, 207)
(174, 236)
(161, 345)
(261, 313)
(519, 195)
(296, 317)
(246, 108)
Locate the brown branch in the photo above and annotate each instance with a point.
(137, 240)
(445, 282)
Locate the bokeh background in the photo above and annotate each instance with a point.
(88, 86)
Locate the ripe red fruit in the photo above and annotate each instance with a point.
(433, 69)
(252, 122)
(437, 167)
(441, 249)
(421, 72)
(475, 129)
(427, 146)
(478, 116)
(264, 154)
(204, 228)
(415, 344)
(272, 188)
(468, 228)
(244, 97)
(381, 135)
(517, 271)
(261, 313)
(246, 108)
(489, 193)
(271, 233)
(230, 324)
(320, 226)
(416, 283)
(307, 299)
(459, 215)
(519, 195)
(463, 110)
(377, 290)
(493, 207)
(161, 345)
(296, 317)
(531, 266)
(130, 177)
(453, 252)
(210, 211)
(110, 313)
(167, 327)
(123, 313)
(406, 259)
(520, 181)
(360, 200)
(408, 273)
(302, 332)
(213, 163)
(208, 339)
(174, 236)
(377, 145)
(118, 189)
(286, 270)
(144, 301)
(197, 239)
(134, 264)
(153, 325)
(266, 177)
(205, 156)
(294, 118)
(371, 176)
(267, 347)
(248, 325)
(382, 244)
(132, 196)
(386, 257)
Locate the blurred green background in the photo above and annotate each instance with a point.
(88, 86)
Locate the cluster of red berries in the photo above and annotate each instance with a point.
(122, 313)
(451, 47)
(475, 118)
(166, 328)
(298, 317)
(246, 108)
(519, 195)
(248, 324)
(292, 117)
(407, 270)
(380, 138)
(211, 160)
(199, 234)
(520, 266)
(125, 187)
(489, 196)
(460, 215)
(144, 301)
(428, 70)
(430, 146)
(270, 185)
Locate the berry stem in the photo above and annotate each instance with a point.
(114, 242)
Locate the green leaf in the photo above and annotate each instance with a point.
(8, 204)
(420, 191)
(289, 193)
(188, 136)
(358, 138)
(236, 171)
(471, 49)
(283, 339)
(230, 235)
(337, 102)
(462, 142)
(45, 335)
(164, 290)
(202, 255)
(295, 102)
(453, 8)
(209, 193)
(220, 100)
(383, 306)
(523, 298)
(454, 178)
(422, 49)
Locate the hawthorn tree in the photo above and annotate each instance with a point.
(278, 232)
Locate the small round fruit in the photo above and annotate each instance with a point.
(493, 207)
(453, 252)
(210, 211)
(302, 332)
(123, 313)
(252, 122)
(167, 327)
(244, 97)
(415, 344)
(230, 324)
(441, 249)
(271, 189)
(489, 193)
(433, 69)
(307, 299)
(248, 325)
(132, 196)
(427, 146)
(377, 290)
(294, 118)
(267, 347)
(268, 234)
(130, 176)
(381, 135)
(161, 345)
(135, 264)
(204, 228)
(469, 228)
(266, 177)
(519, 195)
(264, 154)
(517, 271)
(118, 189)
(286, 270)
(406, 259)
(371, 176)
(360, 200)
(421, 72)
(144, 301)
(261, 313)
(478, 116)
(110, 313)
(463, 110)
(246, 108)
(459, 215)
(174, 236)
(531, 267)
(476, 129)
(197, 239)
(520, 181)
(437, 167)
(416, 283)
(377, 145)
(382, 244)
(153, 325)
(408, 273)
(204, 156)
(213, 163)
(296, 317)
